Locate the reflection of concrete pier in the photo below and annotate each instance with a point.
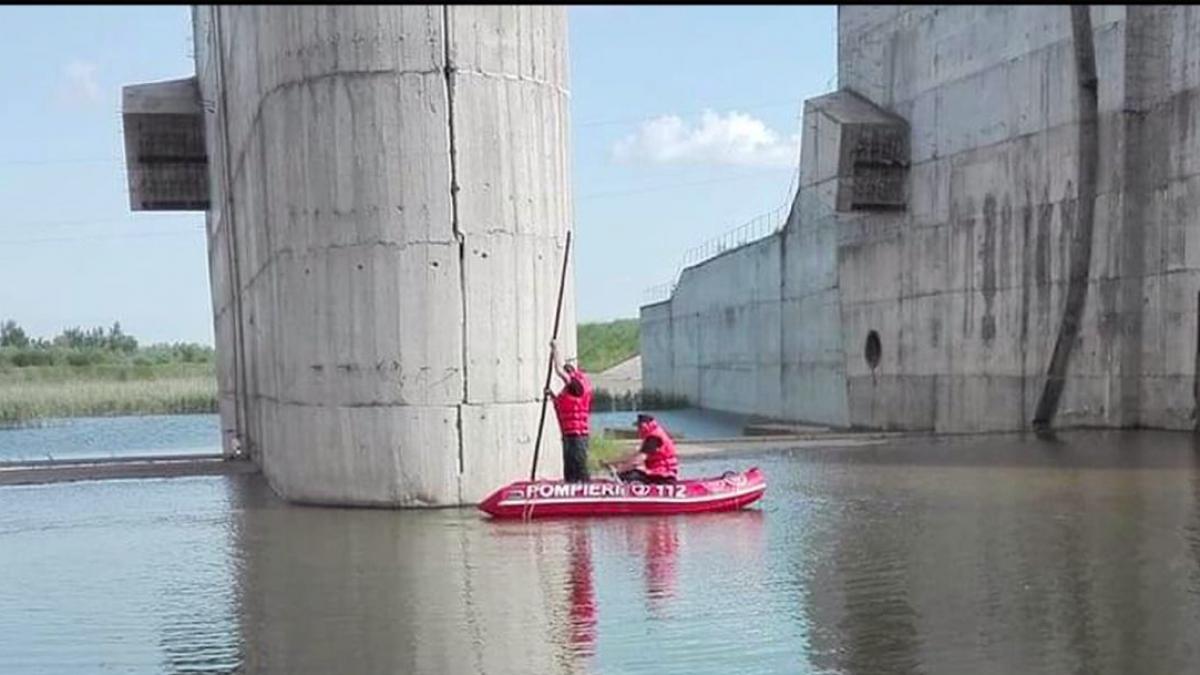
(373, 591)
(1005, 554)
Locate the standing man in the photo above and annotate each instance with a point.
(573, 405)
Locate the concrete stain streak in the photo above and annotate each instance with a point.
(1081, 249)
(988, 254)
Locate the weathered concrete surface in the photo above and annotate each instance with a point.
(623, 378)
(965, 287)
(391, 195)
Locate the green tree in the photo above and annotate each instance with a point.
(11, 335)
(119, 341)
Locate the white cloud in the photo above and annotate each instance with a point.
(79, 83)
(736, 138)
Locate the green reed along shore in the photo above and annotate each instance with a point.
(35, 392)
(605, 448)
(100, 372)
(103, 371)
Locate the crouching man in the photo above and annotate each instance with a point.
(654, 461)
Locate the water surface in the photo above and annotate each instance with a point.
(689, 423)
(123, 436)
(144, 435)
(993, 555)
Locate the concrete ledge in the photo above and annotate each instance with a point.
(62, 471)
(773, 429)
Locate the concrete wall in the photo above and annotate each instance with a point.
(755, 330)
(966, 286)
(992, 143)
(390, 200)
(717, 342)
(654, 346)
(1160, 240)
(982, 254)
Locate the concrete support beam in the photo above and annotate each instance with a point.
(165, 157)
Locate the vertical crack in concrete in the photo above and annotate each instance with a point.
(240, 411)
(1081, 243)
(458, 235)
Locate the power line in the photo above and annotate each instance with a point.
(134, 235)
(581, 125)
(756, 174)
(48, 224)
(63, 161)
(634, 120)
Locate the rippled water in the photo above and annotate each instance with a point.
(143, 435)
(992, 555)
(124, 436)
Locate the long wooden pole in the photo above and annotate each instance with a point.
(562, 284)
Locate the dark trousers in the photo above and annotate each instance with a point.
(639, 476)
(575, 450)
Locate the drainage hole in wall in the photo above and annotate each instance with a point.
(873, 350)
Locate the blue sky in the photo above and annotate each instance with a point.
(684, 125)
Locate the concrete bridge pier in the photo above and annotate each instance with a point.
(388, 200)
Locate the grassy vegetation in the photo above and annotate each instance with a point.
(100, 372)
(105, 372)
(25, 400)
(604, 345)
(604, 448)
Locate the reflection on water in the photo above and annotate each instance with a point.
(581, 592)
(689, 423)
(143, 435)
(995, 555)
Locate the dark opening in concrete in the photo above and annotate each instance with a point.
(873, 350)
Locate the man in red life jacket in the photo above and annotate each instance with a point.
(654, 461)
(573, 405)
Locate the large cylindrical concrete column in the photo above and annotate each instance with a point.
(390, 202)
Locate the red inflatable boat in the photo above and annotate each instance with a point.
(550, 498)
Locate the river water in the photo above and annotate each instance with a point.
(106, 437)
(997, 554)
(81, 438)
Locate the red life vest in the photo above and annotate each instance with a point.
(662, 462)
(573, 410)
